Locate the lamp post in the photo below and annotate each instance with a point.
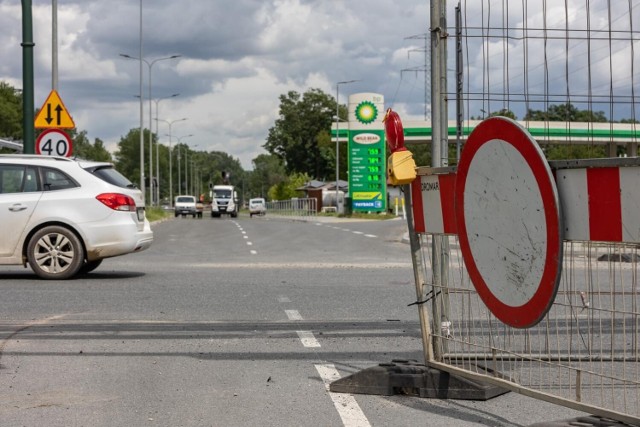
(170, 123)
(180, 158)
(157, 101)
(193, 175)
(338, 137)
(186, 168)
(150, 65)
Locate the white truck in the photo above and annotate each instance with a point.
(224, 201)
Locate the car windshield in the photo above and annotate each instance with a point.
(222, 194)
(185, 199)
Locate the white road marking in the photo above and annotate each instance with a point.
(244, 232)
(253, 252)
(307, 338)
(293, 314)
(358, 232)
(348, 408)
(249, 243)
(245, 237)
(370, 235)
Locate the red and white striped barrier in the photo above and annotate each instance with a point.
(598, 203)
(433, 204)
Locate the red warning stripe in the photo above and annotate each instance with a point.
(435, 217)
(605, 204)
(416, 201)
(447, 198)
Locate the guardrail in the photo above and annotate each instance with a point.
(293, 207)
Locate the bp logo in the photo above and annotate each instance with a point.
(366, 112)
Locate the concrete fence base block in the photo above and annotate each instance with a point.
(411, 378)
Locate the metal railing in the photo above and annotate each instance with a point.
(584, 354)
(294, 207)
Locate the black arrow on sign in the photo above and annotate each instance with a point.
(59, 111)
(49, 119)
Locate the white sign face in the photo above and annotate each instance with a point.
(507, 217)
(54, 142)
(508, 222)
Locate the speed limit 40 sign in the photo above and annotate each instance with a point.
(54, 142)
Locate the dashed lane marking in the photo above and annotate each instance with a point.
(293, 314)
(307, 339)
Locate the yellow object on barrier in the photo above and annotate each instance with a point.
(402, 168)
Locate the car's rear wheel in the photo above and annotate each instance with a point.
(55, 252)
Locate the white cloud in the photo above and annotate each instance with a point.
(238, 57)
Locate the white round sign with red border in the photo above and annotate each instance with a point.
(509, 223)
(54, 142)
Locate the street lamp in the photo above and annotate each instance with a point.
(157, 101)
(180, 157)
(186, 168)
(338, 136)
(170, 123)
(150, 65)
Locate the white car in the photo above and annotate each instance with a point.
(185, 205)
(257, 206)
(63, 216)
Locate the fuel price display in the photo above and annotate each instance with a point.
(367, 171)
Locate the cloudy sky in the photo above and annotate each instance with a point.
(237, 57)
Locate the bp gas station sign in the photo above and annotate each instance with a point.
(367, 153)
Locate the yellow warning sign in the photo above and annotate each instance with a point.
(54, 114)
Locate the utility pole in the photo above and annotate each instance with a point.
(422, 69)
(54, 45)
(28, 129)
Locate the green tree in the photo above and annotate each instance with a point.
(295, 135)
(286, 189)
(565, 113)
(573, 151)
(10, 112)
(127, 157)
(503, 113)
(268, 171)
(84, 149)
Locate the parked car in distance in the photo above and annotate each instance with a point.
(64, 216)
(257, 206)
(185, 205)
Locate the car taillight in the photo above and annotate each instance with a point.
(117, 201)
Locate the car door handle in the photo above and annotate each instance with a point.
(17, 208)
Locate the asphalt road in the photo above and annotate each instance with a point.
(227, 322)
